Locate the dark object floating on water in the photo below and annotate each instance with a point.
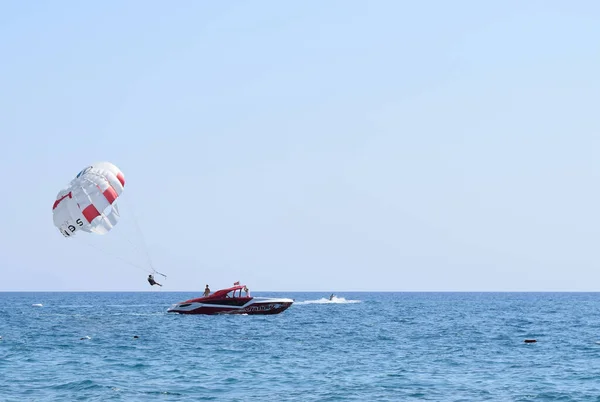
(135, 337)
(530, 341)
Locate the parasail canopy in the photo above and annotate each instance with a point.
(89, 202)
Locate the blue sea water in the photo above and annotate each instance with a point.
(361, 347)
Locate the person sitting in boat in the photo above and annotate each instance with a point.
(152, 281)
(206, 291)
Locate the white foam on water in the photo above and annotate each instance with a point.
(334, 300)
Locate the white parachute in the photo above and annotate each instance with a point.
(89, 202)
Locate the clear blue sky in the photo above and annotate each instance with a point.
(308, 145)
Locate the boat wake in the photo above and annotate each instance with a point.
(334, 300)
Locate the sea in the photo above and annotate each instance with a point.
(359, 346)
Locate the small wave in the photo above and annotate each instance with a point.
(83, 385)
(165, 393)
(77, 306)
(138, 314)
(334, 300)
(130, 305)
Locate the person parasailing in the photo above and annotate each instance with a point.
(89, 204)
(152, 281)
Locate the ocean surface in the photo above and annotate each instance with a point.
(358, 347)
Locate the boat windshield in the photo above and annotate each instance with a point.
(235, 293)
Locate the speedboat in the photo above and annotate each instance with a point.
(231, 301)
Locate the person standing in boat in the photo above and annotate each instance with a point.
(206, 291)
(247, 291)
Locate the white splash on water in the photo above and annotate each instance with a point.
(324, 300)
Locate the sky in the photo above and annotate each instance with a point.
(310, 145)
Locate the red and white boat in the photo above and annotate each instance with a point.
(231, 301)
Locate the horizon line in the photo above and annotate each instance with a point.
(306, 291)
